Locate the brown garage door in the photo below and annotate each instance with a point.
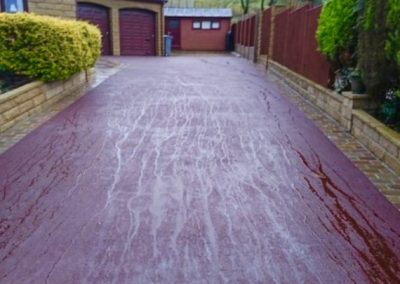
(97, 15)
(137, 32)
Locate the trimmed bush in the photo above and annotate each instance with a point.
(47, 48)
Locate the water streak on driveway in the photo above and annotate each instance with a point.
(189, 170)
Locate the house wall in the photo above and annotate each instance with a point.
(203, 40)
(56, 8)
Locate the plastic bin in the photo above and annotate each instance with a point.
(229, 42)
(167, 45)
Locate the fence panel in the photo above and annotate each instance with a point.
(296, 38)
(241, 32)
(295, 45)
(291, 39)
(252, 21)
(279, 49)
(315, 65)
(248, 32)
(245, 33)
(234, 30)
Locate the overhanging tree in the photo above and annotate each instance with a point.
(245, 5)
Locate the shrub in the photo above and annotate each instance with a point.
(392, 46)
(46, 48)
(337, 29)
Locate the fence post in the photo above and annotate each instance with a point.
(276, 10)
(241, 35)
(247, 42)
(257, 36)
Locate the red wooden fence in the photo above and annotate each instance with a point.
(295, 45)
(245, 31)
(266, 31)
(252, 31)
(234, 30)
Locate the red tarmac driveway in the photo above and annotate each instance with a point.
(189, 170)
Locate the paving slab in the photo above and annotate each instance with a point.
(189, 170)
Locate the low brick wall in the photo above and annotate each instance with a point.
(378, 138)
(247, 52)
(32, 98)
(348, 109)
(324, 98)
(337, 106)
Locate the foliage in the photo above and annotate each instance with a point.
(390, 109)
(372, 59)
(46, 48)
(337, 27)
(236, 5)
(392, 46)
(355, 74)
(245, 6)
(342, 81)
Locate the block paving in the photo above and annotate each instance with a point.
(190, 170)
(386, 180)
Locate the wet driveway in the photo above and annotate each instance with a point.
(189, 170)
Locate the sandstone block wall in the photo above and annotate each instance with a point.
(32, 98)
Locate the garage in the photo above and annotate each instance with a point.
(137, 32)
(99, 16)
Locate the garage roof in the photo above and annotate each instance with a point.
(198, 12)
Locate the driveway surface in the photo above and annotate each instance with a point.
(189, 170)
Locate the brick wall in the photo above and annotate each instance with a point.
(378, 138)
(203, 40)
(57, 8)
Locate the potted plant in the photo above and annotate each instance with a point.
(390, 109)
(356, 81)
(342, 83)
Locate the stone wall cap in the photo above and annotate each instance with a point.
(382, 129)
(320, 88)
(352, 96)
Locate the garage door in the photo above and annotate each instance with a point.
(97, 15)
(137, 32)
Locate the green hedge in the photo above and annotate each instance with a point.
(47, 48)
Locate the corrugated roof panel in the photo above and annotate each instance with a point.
(198, 12)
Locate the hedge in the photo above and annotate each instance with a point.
(46, 48)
